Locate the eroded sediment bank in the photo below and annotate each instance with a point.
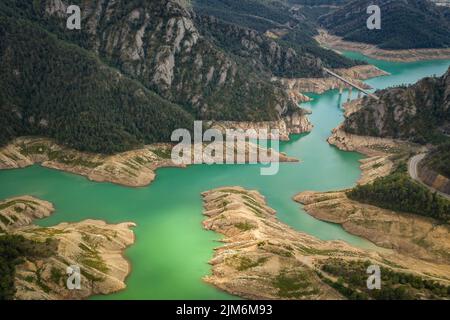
(262, 258)
(96, 247)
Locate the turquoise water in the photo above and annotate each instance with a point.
(171, 251)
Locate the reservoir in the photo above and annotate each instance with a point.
(172, 250)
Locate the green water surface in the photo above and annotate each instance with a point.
(172, 249)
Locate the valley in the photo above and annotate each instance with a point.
(88, 179)
(169, 234)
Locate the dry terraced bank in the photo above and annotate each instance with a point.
(134, 168)
(93, 245)
(262, 258)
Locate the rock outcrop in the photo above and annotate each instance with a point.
(414, 113)
(21, 211)
(297, 123)
(161, 44)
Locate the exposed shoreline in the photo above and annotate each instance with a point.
(385, 228)
(260, 253)
(134, 168)
(296, 123)
(98, 248)
(412, 55)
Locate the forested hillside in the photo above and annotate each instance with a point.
(398, 192)
(260, 28)
(139, 69)
(51, 88)
(406, 24)
(415, 113)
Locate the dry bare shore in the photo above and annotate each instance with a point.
(337, 43)
(412, 235)
(134, 168)
(294, 124)
(380, 152)
(93, 245)
(262, 258)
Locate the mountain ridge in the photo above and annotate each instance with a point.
(405, 24)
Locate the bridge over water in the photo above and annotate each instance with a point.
(351, 84)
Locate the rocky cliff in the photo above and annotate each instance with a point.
(160, 44)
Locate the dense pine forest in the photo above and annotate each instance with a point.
(399, 193)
